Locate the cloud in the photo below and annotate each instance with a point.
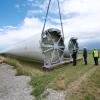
(31, 13)
(81, 19)
(17, 6)
(28, 28)
(30, 0)
(86, 24)
(12, 35)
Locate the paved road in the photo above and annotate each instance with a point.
(13, 87)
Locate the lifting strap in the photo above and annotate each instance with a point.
(59, 18)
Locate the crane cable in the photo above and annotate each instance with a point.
(59, 16)
(60, 19)
(46, 16)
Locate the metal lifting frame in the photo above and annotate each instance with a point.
(52, 43)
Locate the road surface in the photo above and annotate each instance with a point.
(13, 87)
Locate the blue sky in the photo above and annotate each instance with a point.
(20, 19)
(11, 13)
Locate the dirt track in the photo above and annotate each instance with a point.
(74, 86)
(13, 87)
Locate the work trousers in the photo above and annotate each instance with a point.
(74, 62)
(96, 60)
(85, 60)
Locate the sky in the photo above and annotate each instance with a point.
(21, 19)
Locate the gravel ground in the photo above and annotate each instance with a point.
(51, 94)
(13, 87)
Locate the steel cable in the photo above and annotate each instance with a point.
(59, 16)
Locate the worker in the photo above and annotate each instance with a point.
(85, 55)
(74, 56)
(95, 56)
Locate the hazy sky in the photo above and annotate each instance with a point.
(20, 19)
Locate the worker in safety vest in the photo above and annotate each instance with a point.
(95, 56)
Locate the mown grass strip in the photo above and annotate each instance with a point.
(89, 89)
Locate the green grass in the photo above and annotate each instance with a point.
(40, 80)
(89, 89)
(93, 86)
(24, 67)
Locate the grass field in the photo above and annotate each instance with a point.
(60, 78)
(89, 89)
